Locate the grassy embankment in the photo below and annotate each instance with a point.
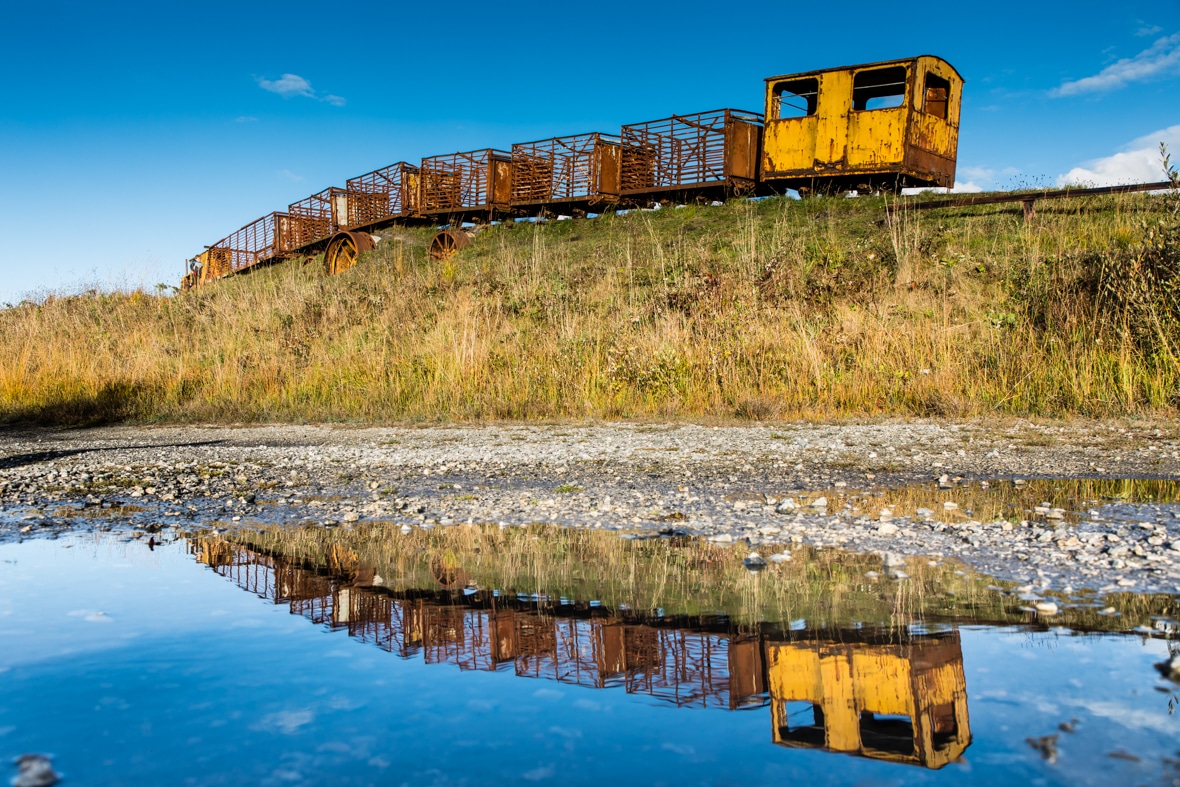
(779, 308)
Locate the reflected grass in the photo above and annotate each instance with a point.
(683, 577)
(1007, 500)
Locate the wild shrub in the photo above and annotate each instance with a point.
(1137, 287)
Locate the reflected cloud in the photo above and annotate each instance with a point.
(288, 722)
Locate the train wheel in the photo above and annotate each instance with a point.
(344, 249)
(447, 243)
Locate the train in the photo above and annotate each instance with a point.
(876, 126)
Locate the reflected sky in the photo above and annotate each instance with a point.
(136, 665)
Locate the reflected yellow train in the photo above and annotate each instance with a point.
(901, 698)
(906, 703)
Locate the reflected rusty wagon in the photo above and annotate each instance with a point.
(880, 125)
(472, 186)
(706, 155)
(572, 174)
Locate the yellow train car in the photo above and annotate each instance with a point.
(880, 125)
(900, 702)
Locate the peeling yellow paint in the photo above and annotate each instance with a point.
(817, 137)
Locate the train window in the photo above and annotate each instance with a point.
(804, 723)
(880, 88)
(938, 91)
(885, 733)
(796, 99)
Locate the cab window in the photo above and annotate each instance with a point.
(879, 88)
(796, 99)
(937, 100)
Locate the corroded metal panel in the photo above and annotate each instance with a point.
(686, 152)
(310, 220)
(382, 195)
(582, 168)
(473, 181)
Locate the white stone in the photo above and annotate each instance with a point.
(787, 506)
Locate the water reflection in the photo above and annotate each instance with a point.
(892, 694)
(905, 702)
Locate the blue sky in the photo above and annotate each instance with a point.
(132, 135)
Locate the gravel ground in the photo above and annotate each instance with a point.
(757, 484)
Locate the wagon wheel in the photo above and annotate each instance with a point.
(447, 243)
(344, 249)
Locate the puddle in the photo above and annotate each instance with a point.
(538, 655)
(1014, 500)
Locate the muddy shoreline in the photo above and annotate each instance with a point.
(760, 485)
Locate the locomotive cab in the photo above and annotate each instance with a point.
(880, 125)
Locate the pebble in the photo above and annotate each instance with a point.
(35, 770)
(1170, 668)
(754, 562)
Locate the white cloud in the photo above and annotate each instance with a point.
(289, 175)
(969, 187)
(1137, 162)
(245, 119)
(289, 85)
(1161, 58)
(1149, 31)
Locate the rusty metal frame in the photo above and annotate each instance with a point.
(309, 221)
(383, 195)
(684, 153)
(255, 243)
(461, 183)
(566, 170)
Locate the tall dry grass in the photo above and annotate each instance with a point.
(779, 308)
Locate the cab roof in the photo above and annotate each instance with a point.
(901, 61)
